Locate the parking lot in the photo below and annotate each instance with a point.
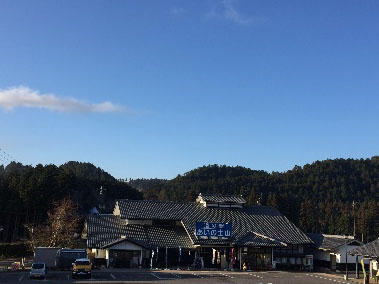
(180, 276)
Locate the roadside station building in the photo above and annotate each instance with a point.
(213, 232)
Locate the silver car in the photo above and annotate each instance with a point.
(38, 270)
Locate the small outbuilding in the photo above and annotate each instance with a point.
(332, 251)
(369, 251)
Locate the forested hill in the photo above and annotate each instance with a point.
(318, 197)
(27, 192)
(88, 171)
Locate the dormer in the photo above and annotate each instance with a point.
(221, 201)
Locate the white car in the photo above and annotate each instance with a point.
(38, 270)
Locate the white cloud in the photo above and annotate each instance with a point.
(22, 96)
(226, 11)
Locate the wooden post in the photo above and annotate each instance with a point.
(240, 257)
(166, 257)
(140, 262)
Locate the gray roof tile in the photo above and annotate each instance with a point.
(330, 242)
(263, 220)
(252, 239)
(367, 250)
(103, 230)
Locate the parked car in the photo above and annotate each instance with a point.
(81, 267)
(38, 270)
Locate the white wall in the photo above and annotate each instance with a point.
(341, 255)
(99, 253)
(116, 210)
(126, 245)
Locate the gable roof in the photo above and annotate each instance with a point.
(331, 242)
(105, 230)
(370, 250)
(266, 221)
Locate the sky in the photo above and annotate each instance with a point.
(147, 89)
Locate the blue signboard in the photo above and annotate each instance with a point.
(207, 230)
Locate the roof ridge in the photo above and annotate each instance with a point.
(338, 236)
(156, 201)
(218, 194)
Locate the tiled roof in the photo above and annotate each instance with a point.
(105, 229)
(367, 250)
(266, 221)
(330, 242)
(252, 239)
(222, 198)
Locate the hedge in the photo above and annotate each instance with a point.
(10, 250)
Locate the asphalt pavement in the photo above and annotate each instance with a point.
(177, 276)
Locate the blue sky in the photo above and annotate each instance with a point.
(157, 88)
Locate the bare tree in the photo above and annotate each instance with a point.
(61, 228)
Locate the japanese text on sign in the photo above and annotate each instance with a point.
(207, 230)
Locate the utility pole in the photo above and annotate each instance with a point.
(346, 273)
(354, 219)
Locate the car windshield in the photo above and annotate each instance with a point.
(38, 265)
(82, 262)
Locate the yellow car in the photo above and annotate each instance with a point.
(81, 267)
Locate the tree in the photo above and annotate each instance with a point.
(308, 217)
(252, 198)
(272, 200)
(61, 228)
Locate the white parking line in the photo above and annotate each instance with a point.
(19, 280)
(194, 274)
(114, 278)
(177, 275)
(226, 275)
(325, 278)
(261, 277)
(162, 278)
